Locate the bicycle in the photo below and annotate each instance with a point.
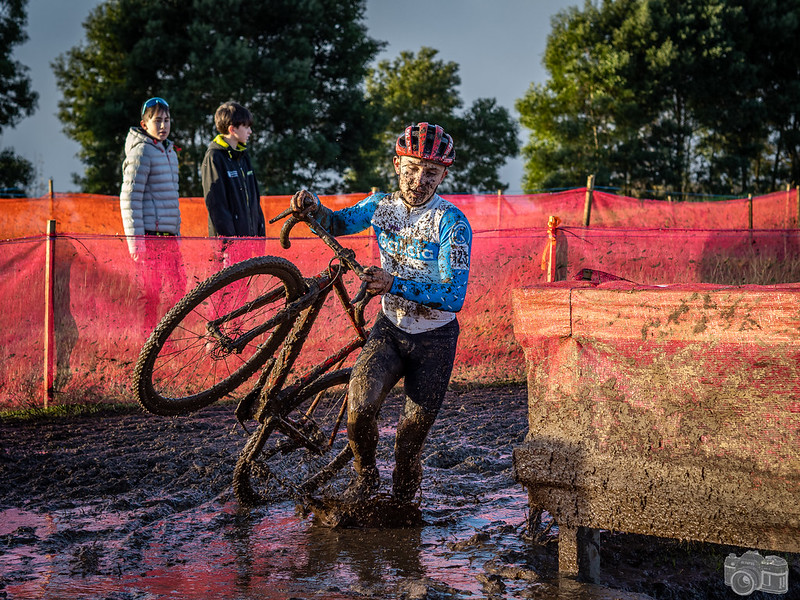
(258, 314)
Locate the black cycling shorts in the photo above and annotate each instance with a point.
(424, 360)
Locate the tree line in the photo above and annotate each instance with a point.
(324, 116)
(673, 96)
(17, 99)
(681, 96)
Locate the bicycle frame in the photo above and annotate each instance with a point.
(254, 319)
(276, 399)
(271, 401)
(274, 404)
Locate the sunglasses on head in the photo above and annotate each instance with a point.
(152, 102)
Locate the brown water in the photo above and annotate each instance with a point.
(131, 506)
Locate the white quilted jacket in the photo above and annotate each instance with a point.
(148, 199)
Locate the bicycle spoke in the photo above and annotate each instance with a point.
(193, 359)
(185, 365)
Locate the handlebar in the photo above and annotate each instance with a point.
(345, 255)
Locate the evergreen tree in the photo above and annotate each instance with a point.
(674, 95)
(420, 87)
(485, 137)
(16, 174)
(298, 65)
(17, 99)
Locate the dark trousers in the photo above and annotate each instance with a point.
(425, 361)
(161, 276)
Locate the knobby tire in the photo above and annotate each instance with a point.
(184, 367)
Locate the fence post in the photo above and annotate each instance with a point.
(499, 208)
(750, 211)
(51, 195)
(797, 189)
(587, 208)
(549, 254)
(49, 334)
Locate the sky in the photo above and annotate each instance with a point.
(498, 45)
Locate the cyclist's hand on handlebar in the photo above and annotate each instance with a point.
(304, 202)
(378, 281)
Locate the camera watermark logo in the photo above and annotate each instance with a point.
(750, 572)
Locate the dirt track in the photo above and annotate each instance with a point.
(126, 505)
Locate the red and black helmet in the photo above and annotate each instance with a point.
(427, 141)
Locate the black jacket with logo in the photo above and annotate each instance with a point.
(231, 192)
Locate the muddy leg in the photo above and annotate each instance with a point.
(362, 429)
(376, 371)
(415, 423)
(426, 380)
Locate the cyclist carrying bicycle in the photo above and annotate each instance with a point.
(425, 244)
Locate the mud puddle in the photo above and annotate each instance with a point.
(133, 507)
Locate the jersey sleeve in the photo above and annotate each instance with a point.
(351, 219)
(455, 247)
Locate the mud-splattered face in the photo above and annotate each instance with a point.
(418, 178)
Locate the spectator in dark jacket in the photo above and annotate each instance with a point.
(229, 184)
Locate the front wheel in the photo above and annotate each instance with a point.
(292, 456)
(217, 336)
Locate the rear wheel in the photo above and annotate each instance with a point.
(217, 336)
(293, 456)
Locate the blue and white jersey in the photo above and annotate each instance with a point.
(426, 248)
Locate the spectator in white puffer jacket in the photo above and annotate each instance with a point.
(149, 196)
(151, 216)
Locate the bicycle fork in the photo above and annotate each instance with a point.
(245, 408)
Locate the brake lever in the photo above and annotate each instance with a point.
(301, 216)
(284, 214)
(360, 301)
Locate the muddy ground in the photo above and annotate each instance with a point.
(125, 505)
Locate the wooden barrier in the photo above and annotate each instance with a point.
(666, 411)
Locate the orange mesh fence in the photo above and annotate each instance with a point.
(665, 256)
(772, 211)
(95, 214)
(105, 305)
